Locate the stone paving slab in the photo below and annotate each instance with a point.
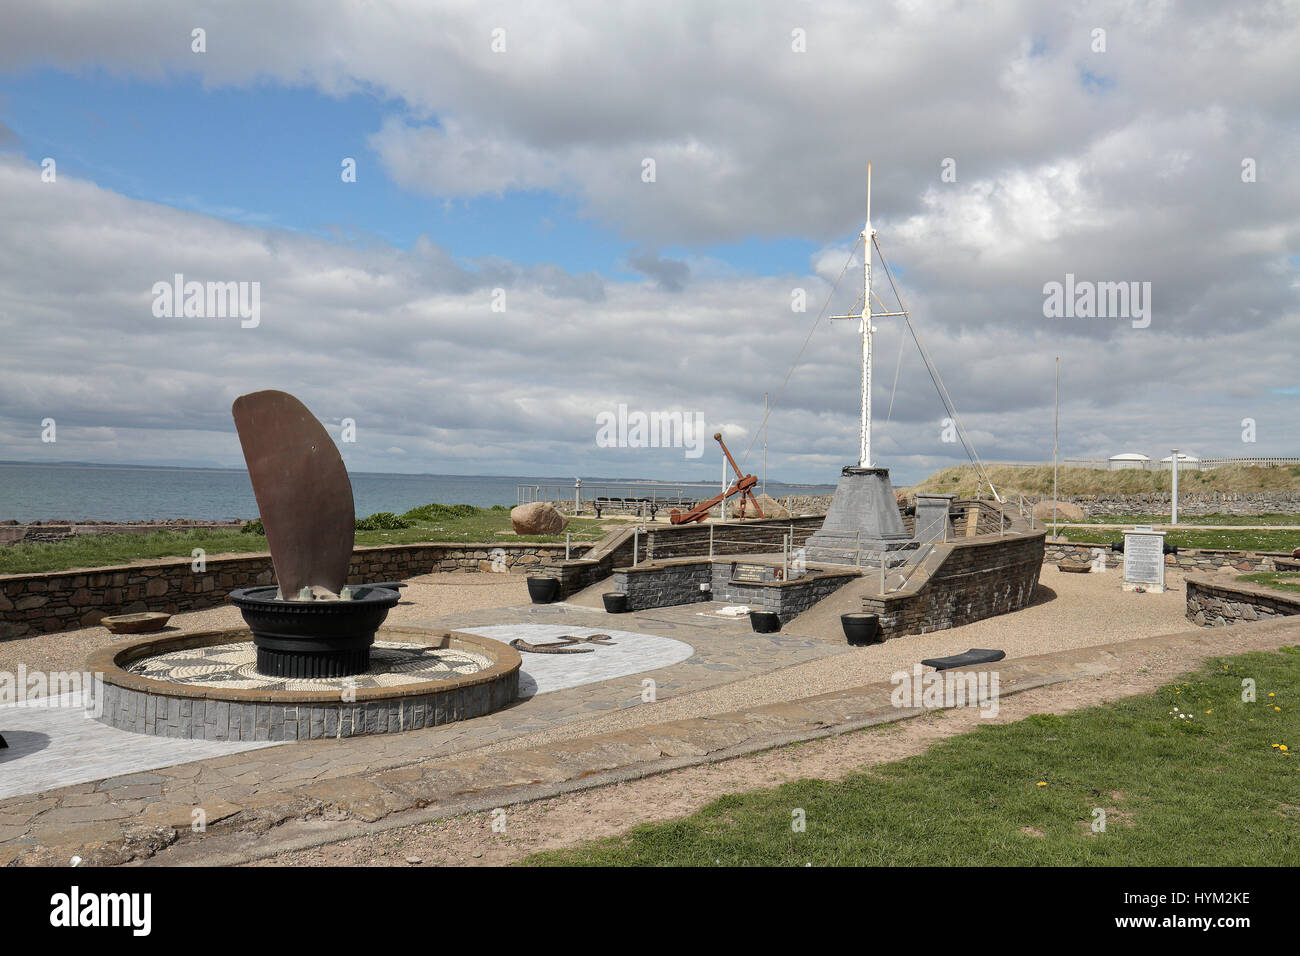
(345, 805)
(54, 742)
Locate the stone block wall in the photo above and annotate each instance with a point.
(1191, 504)
(1218, 603)
(664, 585)
(1186, 560)
(979, 577)
(62, 600)
(788, 599)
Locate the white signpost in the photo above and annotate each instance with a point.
(1144, 559)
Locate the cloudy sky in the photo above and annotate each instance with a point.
(501, 271)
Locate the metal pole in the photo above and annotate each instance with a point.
(865, 456)
(882, 572)
(765, 413)
(568, 541)
(857, 561)
(710, 542)
(722, 505)
(636, 545)
(785, 562)
(1173, 463)
(577, 495)
(1056, 434)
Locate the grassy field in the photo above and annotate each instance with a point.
(1196, 538)
(90, 551)
(1210, 789)
(1037, 480)
(1281, 581)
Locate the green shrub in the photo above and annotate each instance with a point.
(382, 521)
(253, 527)
(437, 512)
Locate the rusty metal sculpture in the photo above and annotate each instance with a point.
(742, 486)
(311, 626)
(303, 493)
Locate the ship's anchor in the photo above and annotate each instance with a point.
(564, 645)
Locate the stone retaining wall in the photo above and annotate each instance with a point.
(1186, 560)
(977, 578)
(1191, 504)
(191, 711)
(1217, 603)
(62, 600)
(666, 542)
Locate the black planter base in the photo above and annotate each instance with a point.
(543, 590)
(861, 629)
(764, 622)
(308, 639)
(615, 602)
(296, 664)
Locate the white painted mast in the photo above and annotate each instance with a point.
(865, 327)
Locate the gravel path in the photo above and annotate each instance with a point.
(1071, 610)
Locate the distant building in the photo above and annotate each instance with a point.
(1127, 460)
(1184, 461)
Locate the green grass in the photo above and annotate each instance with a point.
(1207, 520)
(1209, 791)
(100, 550)
(1278, 580)
(1199, 538)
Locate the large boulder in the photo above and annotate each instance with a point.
(538, 517)
(1065, 511)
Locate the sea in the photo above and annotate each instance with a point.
(89, 492)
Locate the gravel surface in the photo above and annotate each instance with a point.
(1070, 610)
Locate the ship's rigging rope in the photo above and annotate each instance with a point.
(930, 367)
(808, 338)
(936, 378)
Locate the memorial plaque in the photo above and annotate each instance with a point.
(1144, 559)
(751, 573)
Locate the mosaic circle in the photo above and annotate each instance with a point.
(235, 666)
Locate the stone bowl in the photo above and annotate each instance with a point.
(136, 623)
(309, 639)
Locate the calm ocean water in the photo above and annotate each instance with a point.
(128, 493)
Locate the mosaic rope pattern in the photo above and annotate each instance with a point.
(234, 666)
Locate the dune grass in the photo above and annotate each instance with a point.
(1037, 480)
(1213, 788)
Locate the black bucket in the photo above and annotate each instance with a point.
(615, 603)
(764, 622)
(543, 590)
(860, 628)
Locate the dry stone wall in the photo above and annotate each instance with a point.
(62, 600)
